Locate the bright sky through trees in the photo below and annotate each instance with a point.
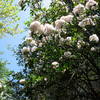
(12, 41)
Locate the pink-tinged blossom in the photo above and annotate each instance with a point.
(48, 28)
(79, 9)
(68, 18)
(59, 23)
(36, 26)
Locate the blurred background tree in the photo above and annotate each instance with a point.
(8, 17)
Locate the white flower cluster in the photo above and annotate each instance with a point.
(37, 27)
(47, 29)
(86, 21)
(79, 9)
(91, 4)
(32, 45)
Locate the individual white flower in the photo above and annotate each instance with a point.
(93, 49)
(78, 9)
(33, 43)
(33, 49)
(1, 85)
(25, 50)
(48, 28)
(22, 81)
(86, 21)
(36, 26)
(28, 39)
(67, 54)
(69, 38)
(45, 79)
(91, 4)
(59, 23)
(94, 38)
(68, 18)
(55, 64)
(40, 44)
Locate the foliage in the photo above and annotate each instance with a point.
(8, 16)
(3, 71)
(61, 63)
(5, 86)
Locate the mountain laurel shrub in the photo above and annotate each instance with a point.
(61, 58)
